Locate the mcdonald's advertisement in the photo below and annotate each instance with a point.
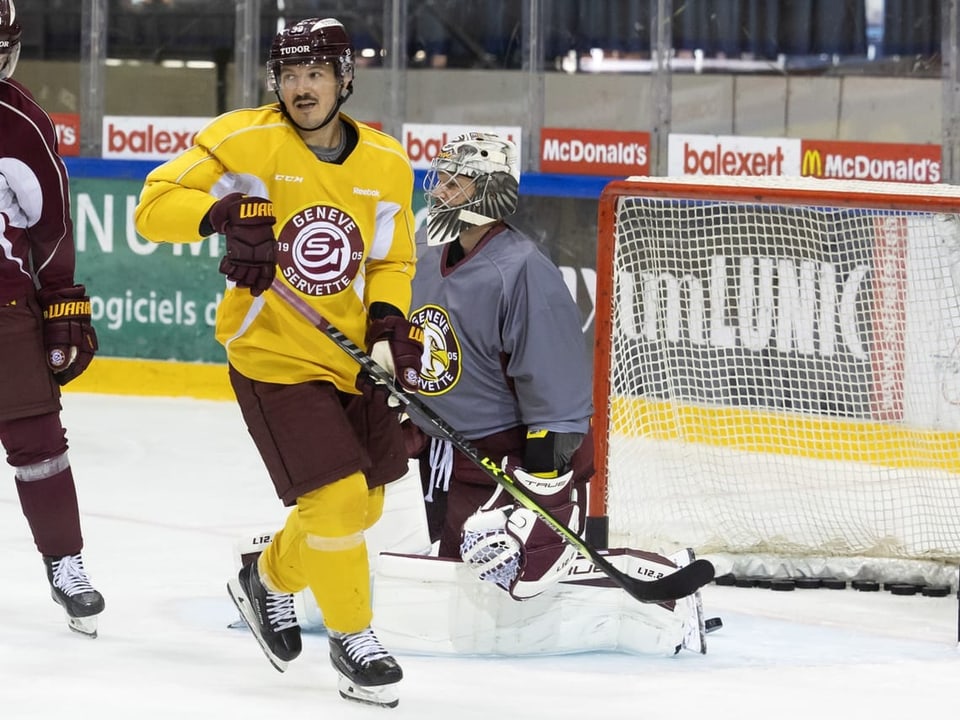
(890, 162)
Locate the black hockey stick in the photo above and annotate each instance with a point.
(681, 583)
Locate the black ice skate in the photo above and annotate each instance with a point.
(368, 673)
(71, 589)
(270, 616)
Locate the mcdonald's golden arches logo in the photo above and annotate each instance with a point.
(812, 163)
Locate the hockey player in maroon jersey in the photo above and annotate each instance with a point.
(308, 197)
(505, 363)
(45, 331)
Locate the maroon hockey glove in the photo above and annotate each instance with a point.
(396, 345)
(247, 223)
(68, 336)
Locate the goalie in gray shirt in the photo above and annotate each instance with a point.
(505, 363)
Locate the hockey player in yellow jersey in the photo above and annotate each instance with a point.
(306, 196)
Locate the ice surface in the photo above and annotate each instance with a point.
(168, 485)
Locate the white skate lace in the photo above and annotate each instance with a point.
(364, 647)
(69, 576)
(281, 611)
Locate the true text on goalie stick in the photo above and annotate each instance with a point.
(678, 584)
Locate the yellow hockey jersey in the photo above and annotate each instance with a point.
(344, 236)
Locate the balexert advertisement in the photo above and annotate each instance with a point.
(732, 155)
(148, 138)
(423, 141)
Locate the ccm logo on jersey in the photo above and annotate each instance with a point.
(288, 178)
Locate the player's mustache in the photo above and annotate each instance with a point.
(300, 98)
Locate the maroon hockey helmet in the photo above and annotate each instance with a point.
(311, 41)
(9, 38)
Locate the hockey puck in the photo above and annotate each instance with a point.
(903, 589)
(808, 583)
(762, 582)
(782, 584)
(865, 585)
(833, 583)
(935, 590)
(728, 579)
(712, 624)
(745, 582)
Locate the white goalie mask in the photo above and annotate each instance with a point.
(473, 180)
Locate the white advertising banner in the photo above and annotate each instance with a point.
(732, 155)
(423, 141)
(134, 137)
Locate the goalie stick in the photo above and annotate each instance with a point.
(678, 584)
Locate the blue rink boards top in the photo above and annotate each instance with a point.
(542, 184)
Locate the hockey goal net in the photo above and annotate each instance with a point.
(777, 375)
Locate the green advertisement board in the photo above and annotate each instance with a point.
(149, 300)
(157, 301)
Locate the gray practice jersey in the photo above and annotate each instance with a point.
(503, 346)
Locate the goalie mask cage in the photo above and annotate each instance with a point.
(777, 375)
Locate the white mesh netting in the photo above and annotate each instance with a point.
(784, 392)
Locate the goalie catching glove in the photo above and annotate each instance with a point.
(513, 546)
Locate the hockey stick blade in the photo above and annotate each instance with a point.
(677, 584)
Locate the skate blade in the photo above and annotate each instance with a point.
(246, 614)
(86, 626)
(378, 695)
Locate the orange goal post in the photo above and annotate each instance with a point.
(777, 375)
